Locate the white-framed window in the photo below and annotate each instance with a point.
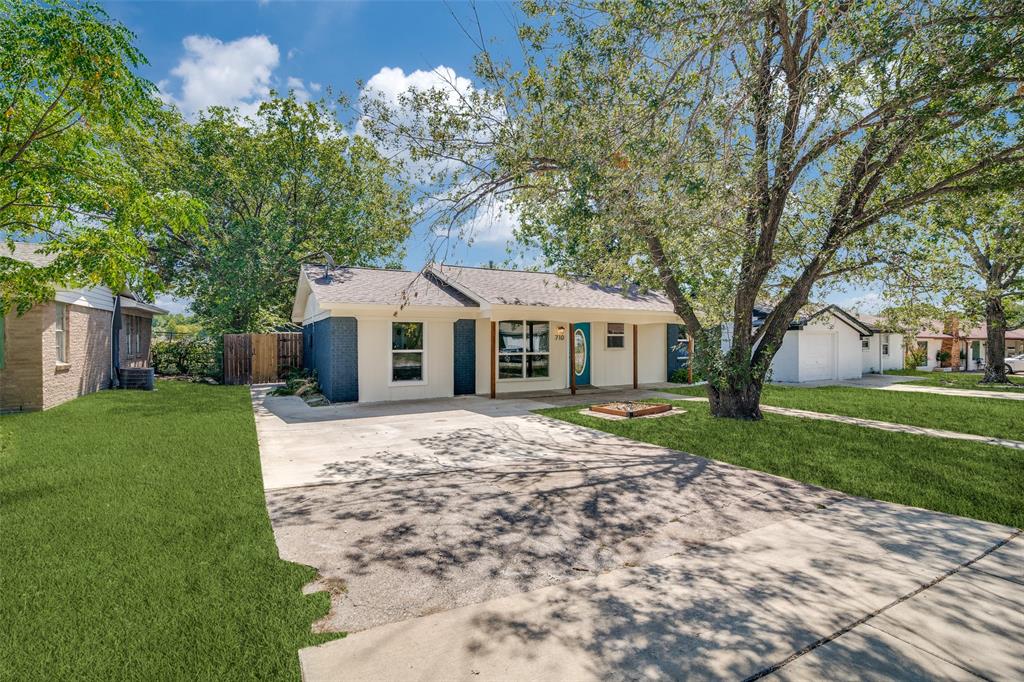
(885, 345)
(865, 344)
(61, 332)
(407, 352)
(524, 349)
(616, 335)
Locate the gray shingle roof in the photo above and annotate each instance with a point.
(382, 287)
(513, 287)
(26, 253)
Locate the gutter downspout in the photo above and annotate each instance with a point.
(115, 343)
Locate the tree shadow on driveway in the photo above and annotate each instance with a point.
(480, 513)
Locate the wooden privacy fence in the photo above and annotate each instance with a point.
(261, 358)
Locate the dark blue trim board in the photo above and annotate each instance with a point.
(331, 347)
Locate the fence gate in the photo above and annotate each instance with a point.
(260, 358)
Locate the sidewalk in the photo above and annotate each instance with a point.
(962, 392)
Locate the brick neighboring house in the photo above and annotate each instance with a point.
(64, 348)
(967, 348)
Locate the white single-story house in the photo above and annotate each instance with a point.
(375, 335)
(380, 335)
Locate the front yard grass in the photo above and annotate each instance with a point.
(982, 416)
(136, 543)
(969, 380)
(966, 479)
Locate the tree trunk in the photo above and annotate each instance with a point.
(737, 400)
(995, 320)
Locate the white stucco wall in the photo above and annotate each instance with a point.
(375, 383)
(785, 364)
(610, 366)
(652, 349)
(873, 362)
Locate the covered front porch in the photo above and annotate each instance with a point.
(566, 354)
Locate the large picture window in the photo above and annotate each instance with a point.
(61, 332)
(524, 349)
(406, 351)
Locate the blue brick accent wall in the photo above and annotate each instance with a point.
(331, 348)
(465, 357)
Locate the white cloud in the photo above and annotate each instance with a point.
(233, 74)
(494, 222)
(390, 83)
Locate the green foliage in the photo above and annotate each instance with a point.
(176, 323)
(193, 357)
(73, 114)
(280, 187)
(299, 383)
(943, 355)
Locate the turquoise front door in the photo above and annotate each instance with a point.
(581, 353)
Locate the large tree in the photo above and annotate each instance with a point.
(71, 105)
(282, 186)
(974, 247)
(732, 153)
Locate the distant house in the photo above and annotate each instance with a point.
(66, 347)
(831, 344)
(967, 347)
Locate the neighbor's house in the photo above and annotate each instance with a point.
(830, 344)
(378, 335)
(66, 347)
(967, 348)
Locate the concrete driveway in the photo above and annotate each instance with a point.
(470, 539)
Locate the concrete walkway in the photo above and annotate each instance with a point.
(961, 392)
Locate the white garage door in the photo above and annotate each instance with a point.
(817, 357)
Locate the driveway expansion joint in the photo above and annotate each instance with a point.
(864, 620)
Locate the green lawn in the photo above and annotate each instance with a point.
(967, 479)
(983, 416)
(957, 380)
(136, 543)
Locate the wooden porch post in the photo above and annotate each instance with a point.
(689, 358)
(494, 360)
(635, 382)
(572, 358)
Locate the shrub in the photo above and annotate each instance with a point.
(300, 383)
(943, 356)
(195, 357)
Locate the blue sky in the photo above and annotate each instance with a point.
(232, 53)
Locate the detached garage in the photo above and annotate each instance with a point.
(825, 346)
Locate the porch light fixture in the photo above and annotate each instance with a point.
(560, 332)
